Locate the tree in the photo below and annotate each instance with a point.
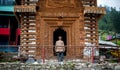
(110, 21)
(105, 22)
(115, 19)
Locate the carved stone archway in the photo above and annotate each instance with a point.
(59, 32)
(39, 19)
(69, 17)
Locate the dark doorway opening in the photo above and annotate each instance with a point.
(57, 33)
(60, 32)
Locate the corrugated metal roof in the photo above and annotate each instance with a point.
(107, 43)
(7, 15)
(7, 8)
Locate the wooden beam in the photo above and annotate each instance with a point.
(24, 8)
(95, 10)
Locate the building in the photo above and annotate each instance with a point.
(9, 30)
(109, 49)
(42, 21)
(114, 38)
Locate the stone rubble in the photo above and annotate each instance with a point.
(59, 66)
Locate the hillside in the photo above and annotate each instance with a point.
(109, 24)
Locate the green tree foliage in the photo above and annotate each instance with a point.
(115, 19)
(110, 21)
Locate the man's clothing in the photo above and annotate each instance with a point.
(59, 49)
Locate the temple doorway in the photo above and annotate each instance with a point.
(60, 32)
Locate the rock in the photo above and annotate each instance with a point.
(117, 67)
(35, 62)
(30, 60)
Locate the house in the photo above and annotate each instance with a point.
(9, 27)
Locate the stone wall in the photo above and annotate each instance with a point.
(59, 66)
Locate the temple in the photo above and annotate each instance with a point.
(42, 21)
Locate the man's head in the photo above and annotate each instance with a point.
(60, 37)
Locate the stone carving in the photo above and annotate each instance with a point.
(60, 3)
(60, 23)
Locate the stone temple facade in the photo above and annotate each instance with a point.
(42, 21)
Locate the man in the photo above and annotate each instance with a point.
(60, 48)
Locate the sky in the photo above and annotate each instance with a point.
(111, 3)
